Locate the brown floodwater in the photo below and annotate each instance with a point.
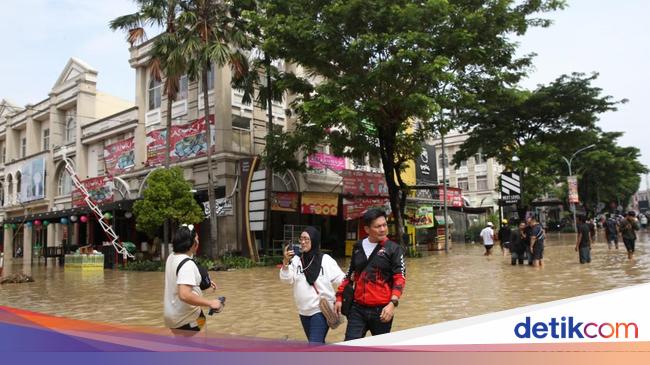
(440, 287)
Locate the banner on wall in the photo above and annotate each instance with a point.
(355, 208)
(99, 188)
(419, 216)
(322, 161)
(32, 180)
(364, 183)
(187, 141)
(119, 157)
(320, 203)
(454, 196)
(284, 202)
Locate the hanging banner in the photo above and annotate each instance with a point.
(425, 166)
(322, 161)
(32, 180)
(419, 216)
(454, 196)
(284, 202)
(364, 183)
(119, 157)
(572, 181)
(355, 208)
(320, 203)
(99, 188)
(223, 207)
(187, 141)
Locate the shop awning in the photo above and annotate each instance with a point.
(441, 219)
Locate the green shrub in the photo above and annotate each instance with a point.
(567, 229)
(204, 261)
(473, 233)
(145, 265)
(236, 262)
(270, 260)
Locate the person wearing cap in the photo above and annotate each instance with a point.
(628, 226)
(488, 237)
(504, 236)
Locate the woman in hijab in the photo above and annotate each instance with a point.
(312, 274)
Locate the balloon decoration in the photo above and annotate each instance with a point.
(83, 219)
(14, 226)
(128, 215)
(108, 216)
(7, 226)
(37, 222)
(46, 223)
(73, 218)
(64, 220)
(28, 224)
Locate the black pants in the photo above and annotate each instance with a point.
(363, 319)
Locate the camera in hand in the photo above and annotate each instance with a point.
(223, 304)
(296, 250)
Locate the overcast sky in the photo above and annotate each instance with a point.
(607, 36)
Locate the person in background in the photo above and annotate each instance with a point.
(312, 274)
(537, 238)
(504, 237)
(611, 231)
(584, 241)
(488, 237)
(518, 244)
(628, 228)
(643, 220)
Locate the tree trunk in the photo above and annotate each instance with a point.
(387, 149)
(213, 247)
(168, 131)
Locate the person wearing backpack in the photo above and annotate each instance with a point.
(628, 226)
(378, 276)
(183, 298)
(312, 274)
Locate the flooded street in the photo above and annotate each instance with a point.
(439, 288)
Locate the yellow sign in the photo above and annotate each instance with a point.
(320, 203)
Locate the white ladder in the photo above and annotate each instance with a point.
(115, 241)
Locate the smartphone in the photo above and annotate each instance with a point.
(222, 300)
(296, 250)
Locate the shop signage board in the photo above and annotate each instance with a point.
(419, 216)
(284, 202)
(454, 196)
(32, 181)
(364, 183)
(425, 166)
(223, 207)
(99, 188)
(355, 208)
(320, 203)
(119, 157)
(572, 181)
(510, 188)
(187, 141)
(322, 161)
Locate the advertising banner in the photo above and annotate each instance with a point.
(320, 203)
(99, 188)
(425, 166)
(322, 161)
(419, 216)
(355, 208)
(454, 196)
(572, 181)
(187, 141)
(223, 207)
(284, 202)
(119, 157)
(364, 183)
(32, 180)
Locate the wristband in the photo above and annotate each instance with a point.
(395, 302)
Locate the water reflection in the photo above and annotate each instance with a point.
(439, 288)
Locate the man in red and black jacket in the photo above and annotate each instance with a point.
(378, 287)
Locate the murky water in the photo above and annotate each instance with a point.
(439, 288)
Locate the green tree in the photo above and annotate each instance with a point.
(167, 196)
(377, 66)
(210, 34)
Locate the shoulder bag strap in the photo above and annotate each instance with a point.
(178, 268)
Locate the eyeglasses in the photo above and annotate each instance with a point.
(303, 239)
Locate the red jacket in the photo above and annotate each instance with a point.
(384, 277)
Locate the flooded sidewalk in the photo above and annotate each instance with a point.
(439, 288)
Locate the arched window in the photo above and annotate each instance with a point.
(18, 178)
(443, 160)
(70, 125)
(64, 182)
(155, 89)
(10, 188)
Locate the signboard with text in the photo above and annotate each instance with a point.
(119, 157)
(364, 183)
(187, 141)
(322, 161)
(99, 188)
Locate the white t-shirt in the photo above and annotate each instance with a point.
(177, 312)
(305, 296)
(368, 247)
(487, 234)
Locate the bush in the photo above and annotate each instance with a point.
(205, 262)
(567, 229)
(236, 262)
(473, 233)
(146, 265)
(270, 260)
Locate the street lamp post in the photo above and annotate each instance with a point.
(568, 162)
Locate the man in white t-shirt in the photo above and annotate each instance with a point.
(487, 235)
(183, 298)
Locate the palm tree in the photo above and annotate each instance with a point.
(210, 36)
(166, 58)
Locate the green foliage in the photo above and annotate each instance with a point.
(167, 196)
(270, 260)
(236, 262)
(473, 233)
(567, 229)
(375, 67)
(206, 262)
(146, 265)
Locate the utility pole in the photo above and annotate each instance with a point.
(568, 162)
(444, 189)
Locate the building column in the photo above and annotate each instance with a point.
(27, 247)
(8, 251)
(51, 239)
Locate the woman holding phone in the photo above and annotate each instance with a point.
(312, 274)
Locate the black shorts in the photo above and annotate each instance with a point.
(488, 247)
(196, 326)
(538, 251)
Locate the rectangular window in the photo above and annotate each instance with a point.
(463, 183)
(479, 158)
(46, 139)
(481, 182)
(154, 93)
(359, 161)
(23, 147)
(4, 153)
(463, 163)
(182, 88)
(241, 122)
(374, 160)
